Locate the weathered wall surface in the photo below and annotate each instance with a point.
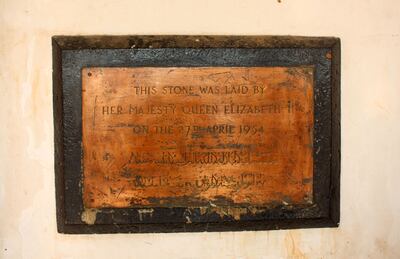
(370, 33)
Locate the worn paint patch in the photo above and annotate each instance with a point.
(89, 216)
(145, 213)
(234, 212)
(231, 212)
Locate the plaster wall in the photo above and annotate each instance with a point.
(370, 34)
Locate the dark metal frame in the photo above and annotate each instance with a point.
(72, 53)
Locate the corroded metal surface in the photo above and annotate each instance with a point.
(77, 213)
(219, 136)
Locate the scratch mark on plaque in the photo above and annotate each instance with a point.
(246, 75)
(94, 111)
(216, 77)
(119, 193)
(100, 191)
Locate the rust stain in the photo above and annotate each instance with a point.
(328, 55)
(197, 137)
(37, 106)
(292, 240)
(36, 96)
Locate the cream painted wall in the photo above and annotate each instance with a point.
(370, 33)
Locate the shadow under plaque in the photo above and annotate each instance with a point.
(196, 133)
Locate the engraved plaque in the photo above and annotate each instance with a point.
(197, 136)
(196, 133)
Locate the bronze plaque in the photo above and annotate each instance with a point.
(194, 136)
(196, 133)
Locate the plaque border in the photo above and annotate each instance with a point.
(66, 134)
